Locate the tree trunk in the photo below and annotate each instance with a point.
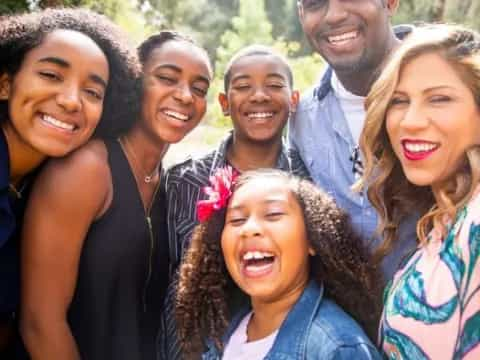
(437, 11)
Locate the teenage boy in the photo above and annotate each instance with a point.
(259, 98)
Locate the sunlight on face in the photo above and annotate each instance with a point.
(432, 120)
(264, 240)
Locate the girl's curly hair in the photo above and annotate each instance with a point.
(23, 32)
(341, 263)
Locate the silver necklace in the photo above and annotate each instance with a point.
(147, 178)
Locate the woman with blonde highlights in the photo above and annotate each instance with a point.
(421, 147)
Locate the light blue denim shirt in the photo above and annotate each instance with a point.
(315, 328)
(320, 133)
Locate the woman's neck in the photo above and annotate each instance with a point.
(269, 315)
(248, 156)
(148, 151)
(23, 158)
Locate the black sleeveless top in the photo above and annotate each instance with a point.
(123, 273)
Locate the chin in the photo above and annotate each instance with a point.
(55, 151)
(420, 180)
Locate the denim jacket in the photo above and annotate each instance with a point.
(315, 328)
(320, 133)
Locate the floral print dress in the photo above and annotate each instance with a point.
(432, 308)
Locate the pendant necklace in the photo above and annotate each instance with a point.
(14, 191)
(147, 178)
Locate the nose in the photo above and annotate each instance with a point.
(183, 93)
(415, 118)
(69, 98)
(335, 13)
(259, 95)
(251, 228)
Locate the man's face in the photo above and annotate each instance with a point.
(351, 35)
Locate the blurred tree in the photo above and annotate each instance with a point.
(251, 26)
(11, 6)
(466, 12)
(205, 20)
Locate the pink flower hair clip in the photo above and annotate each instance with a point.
(219, 191)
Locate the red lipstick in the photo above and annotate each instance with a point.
(418, 154)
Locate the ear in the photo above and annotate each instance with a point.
(4, 86)
(311, 252)
(391, 6)
(223, 100)
(294, 99)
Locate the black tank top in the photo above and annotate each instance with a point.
(123, 272)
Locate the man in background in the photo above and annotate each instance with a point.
(355, 38)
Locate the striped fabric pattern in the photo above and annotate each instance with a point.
(184, 183)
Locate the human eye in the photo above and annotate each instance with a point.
(440, 99)
(276, 85)
(200, 90)
(312, 4)
(274, 214)
(166, 79)
(50, 75)
(397, 100)
(94, 94)
(241, 86)
(236, 220)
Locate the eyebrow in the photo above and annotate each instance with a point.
(178, 69)
(266, 202)
(65, 64)
(438, 87)
(246, 76)
(55, 60)
(277, 75)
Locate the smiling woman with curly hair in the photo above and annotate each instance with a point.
(286, 245)
(65, 75)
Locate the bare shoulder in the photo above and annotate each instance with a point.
(83, 177)
(88, 162)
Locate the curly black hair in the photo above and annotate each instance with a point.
(342, 263)
(22, 32)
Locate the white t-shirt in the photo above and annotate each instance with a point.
(352, 106)
(239, 349)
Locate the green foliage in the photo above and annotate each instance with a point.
(205, 20)
(466, 12)
(225, 26)
(251, 26)
(11, 6)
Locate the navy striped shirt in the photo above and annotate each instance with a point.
(184, 184)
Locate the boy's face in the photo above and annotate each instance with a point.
(259, 98)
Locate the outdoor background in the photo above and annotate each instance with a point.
(224, 26)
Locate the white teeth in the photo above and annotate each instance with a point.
(415, 148)
(257, 255)
(257, 268)
(176, 115)
(343, 37)
(261, 115)
(57, 123)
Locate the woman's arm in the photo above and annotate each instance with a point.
(67, 197)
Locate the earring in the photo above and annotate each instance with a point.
(4, 87)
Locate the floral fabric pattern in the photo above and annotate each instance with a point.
(432, 308)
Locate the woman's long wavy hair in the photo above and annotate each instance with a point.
(389, 191)
(341, 263)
